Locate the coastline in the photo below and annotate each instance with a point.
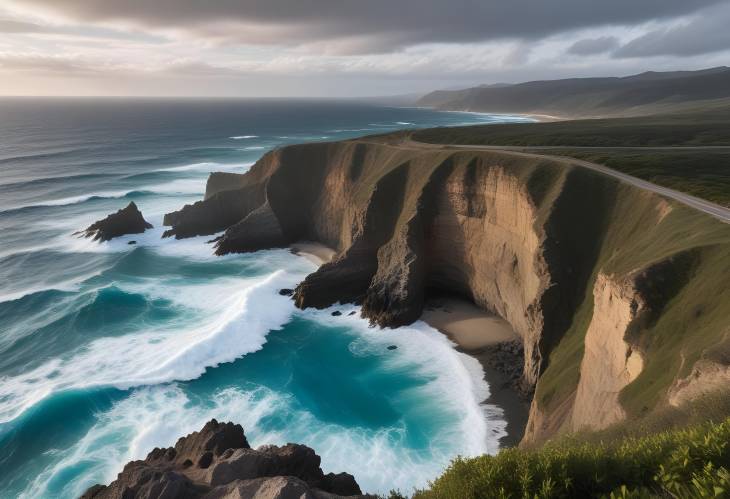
(484, 336)
(476, 332)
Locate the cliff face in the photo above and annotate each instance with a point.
(609, 361)
(584, 269)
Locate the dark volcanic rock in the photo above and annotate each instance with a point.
(217, 462)
(392, 347)
(128, 220)
(286, 292)
(336, 313)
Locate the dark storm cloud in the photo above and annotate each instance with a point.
(705, 33)
(361, 26)
(591, 46)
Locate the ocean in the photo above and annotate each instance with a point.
(109, 349)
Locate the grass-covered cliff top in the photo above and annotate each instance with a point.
(704, 173)
(700, 168)
(690, 462)
(697, 128)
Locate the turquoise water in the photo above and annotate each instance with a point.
(108, 350)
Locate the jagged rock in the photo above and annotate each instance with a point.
(128, 220)
(260, 229)
(218, 463)
(286, 292)
(336, 313)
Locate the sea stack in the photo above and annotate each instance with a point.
(217, 462)
(128, 220)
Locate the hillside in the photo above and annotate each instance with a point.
(619, 295)
(688, 151)
(641, 94)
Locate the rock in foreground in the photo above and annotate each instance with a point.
(218, 463)
(128, 220)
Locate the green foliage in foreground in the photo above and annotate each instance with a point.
(692, 462)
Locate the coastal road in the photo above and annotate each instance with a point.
(715, 210)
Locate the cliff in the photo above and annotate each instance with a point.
(218, 463)
(618, 294)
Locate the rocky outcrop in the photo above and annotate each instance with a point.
(128, 220)
(707, 377)
(218, 463)
(609, 362)
(581, 266)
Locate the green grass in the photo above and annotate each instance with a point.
(690, 129)
(690, 322)
(701, 173)
(704, 173)
(689, 462)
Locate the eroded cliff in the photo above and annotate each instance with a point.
(585, 269)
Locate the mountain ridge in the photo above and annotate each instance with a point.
(639, 94)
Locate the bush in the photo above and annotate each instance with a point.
(682, 463)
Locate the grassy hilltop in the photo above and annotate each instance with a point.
(687, 151)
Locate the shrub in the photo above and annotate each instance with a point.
(692, 462)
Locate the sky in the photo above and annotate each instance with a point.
(343, 48)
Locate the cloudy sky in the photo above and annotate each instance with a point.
(343, 48)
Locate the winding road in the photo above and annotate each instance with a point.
(715, 210)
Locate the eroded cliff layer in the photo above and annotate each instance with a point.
(575, 261)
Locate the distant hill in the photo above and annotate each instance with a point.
(646, 93)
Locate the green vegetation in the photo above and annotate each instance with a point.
(690, 129)
(688, 324)
(701, 173)
(641, 94)
(691, 462)
(619, 143)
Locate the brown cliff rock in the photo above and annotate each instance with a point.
(217, 462)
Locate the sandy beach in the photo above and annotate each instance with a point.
(477, 333)
(315, 252)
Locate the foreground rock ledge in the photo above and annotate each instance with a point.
(128, 220)
(218, 463)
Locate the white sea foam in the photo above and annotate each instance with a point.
(345, 130)
(176, 187)
(209, 167)
(63, 285)
(242, 137)
(380, 458)
(459, 378)
(238, 325)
